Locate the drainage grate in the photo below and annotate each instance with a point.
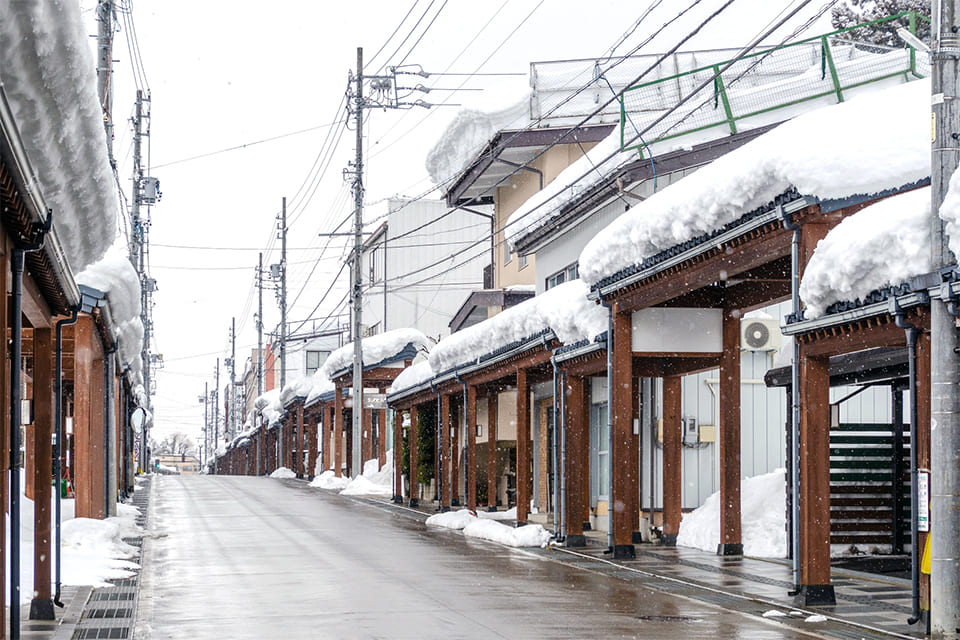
(110, 596)
(668, 619)
(124, 582)
(120, 633)
(108, 613)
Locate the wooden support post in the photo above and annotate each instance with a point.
(444, 435)
(814, 499)
(470, 420)
(731, 543)
(492, 408)
(313, 439)
(301, 441)
(366, 432)
(623, 475)
(672, 477)
(923, 439)
(397, 457)
(414, 482)
(634, 460)
(382, 436)
(337, 433)
(576, 403)
(454, 454)
(523, 447)
(98, 446)
(41, 608)
(349, 444)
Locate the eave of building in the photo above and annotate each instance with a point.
(409, 352)
(484, 299)
(608, 189)
(478, 181)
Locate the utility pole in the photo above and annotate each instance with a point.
(283, 295)
(233, 377)
(216, 418)
(945, 362)
(357, 332)
(105, 69)
(260, 326)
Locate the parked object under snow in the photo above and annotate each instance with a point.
(834, 152)
(881, 245)
(49, 78)
(564, 309)
(762, 516)
(284, 473)
(376, 349)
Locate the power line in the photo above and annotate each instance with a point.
(434, 19)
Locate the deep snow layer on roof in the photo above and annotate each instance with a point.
(872, 143)
(49, 77)
(563, 309)
(376, 349)
(269, 406)
(412, 376)
(116, 277)
(882, 245)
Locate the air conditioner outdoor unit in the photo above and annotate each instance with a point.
(760, 334)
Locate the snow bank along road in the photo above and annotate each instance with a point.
(246, 557)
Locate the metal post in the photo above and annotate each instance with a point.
(58, 445)
(216, 418)
(16, 297)
(283, 296)
(260, 326)
(357, 278)
(105, 68)
(233, 377)
(945, 364)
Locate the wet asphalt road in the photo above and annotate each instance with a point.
(241, 557)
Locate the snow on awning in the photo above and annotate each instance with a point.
(564, 309)
(53, 97)
(381, 348)
(882, 245)
(872, 143)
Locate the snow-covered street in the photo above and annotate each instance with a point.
(256, 557)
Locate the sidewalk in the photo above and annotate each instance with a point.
(868, 606)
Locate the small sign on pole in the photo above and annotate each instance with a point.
(923, 498)
(374, 400)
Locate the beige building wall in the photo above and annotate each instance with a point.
(511, 269)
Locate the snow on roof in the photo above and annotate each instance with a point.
(506, 106)
(269, 406)
(49, 78)
(412, 376)
(299, 388)
(320, 384)
(882, 245)
(116, 277)
(872, 143)
(376, 349)
(563, 309)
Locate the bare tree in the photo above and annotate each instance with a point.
(175, 444)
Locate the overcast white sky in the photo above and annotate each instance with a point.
(229, 73)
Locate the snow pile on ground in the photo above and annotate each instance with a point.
(374, 481)
(762, 517)
(329, 480)
(485, 526)
(116, 277)
(376, 349)
(564, 309)
(884, 244)
(49, 78)
(504, 107)
(829, 153)
(412, 376)
(283, 472)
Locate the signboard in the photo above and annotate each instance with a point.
(374, 400)
(923, 495)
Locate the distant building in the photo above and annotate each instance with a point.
(185, 464)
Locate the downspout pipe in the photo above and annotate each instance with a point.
(610, 346)
(790, 225)
(58, 446)
(913, 332)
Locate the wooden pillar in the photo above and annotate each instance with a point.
(672, 477)
(413, 481)
(313, 433)
(814, 499)
(523, 447)
(543, 455)
(397, 456)
(80, 461)
(923, 439)
(382, 436)
(98, 447)
(41, 608)
(634, 460)
(492, 451)
(470, 421)
(455, 470)
(623, 475)
(577, 434)
(444, 435)
(337, 432)
(301, 441)
(349, 444)
(731, 543)
(366, 433)
(4, 415)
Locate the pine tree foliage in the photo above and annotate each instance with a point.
(849, 13)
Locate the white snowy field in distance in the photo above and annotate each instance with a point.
(93, 550)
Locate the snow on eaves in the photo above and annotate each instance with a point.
(321, 385)
(874, 142)
(115, 276)
(49, 77)
(376, 349)
(507, 107)
(412, 376)
(269, 406)
(563, 309)
(882, 245)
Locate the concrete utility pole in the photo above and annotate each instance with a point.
(357, 332)
(233, 377)
(260, 326)
(216, 417)
(283, 295)
(945, 364)
(105, 69)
